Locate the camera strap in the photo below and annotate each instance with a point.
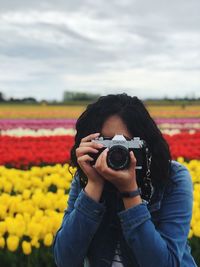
(147, 187)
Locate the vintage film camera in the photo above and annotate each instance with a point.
(118, 157)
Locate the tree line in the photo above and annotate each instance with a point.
(70, 97)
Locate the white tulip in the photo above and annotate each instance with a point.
(18, 132)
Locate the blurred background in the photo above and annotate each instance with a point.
(147, 48)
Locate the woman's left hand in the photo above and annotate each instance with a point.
(124, 180)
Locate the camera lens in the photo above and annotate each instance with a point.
(118, 157)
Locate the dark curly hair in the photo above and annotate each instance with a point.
(134, 114)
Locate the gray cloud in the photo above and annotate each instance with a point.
(146, 47)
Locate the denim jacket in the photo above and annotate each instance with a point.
(151, 234)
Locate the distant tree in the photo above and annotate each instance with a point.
(79, 96)
(29, 100)
(2, 99)
(14, 100)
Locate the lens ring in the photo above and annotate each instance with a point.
(118, 157)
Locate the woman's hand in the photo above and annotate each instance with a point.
(124, 180)
(83, 159)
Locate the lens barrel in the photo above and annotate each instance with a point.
(118, 157)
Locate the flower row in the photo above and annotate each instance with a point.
(40, 132)
(24, 152)
(174, 112)
(18, 132)
(32, 204)
(185, 145)
(64, 111)
(194, 168)
(178, 120)
(175, 131)
(39, 111)
(36, 124)
(181, 127)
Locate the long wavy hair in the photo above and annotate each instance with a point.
(134, 114)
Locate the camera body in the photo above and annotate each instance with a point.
(118, 157)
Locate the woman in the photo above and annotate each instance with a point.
(102, 225)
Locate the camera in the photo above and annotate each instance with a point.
(118, 157)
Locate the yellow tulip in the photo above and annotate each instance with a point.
(26, 194)
(3, 211)
(48, 239)
(21, 228)
(12, 242)
(26, 247)
(2, 242)
(7, 187)
(35, 242)
(190, 234)
(3, 228)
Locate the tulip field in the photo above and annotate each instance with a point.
(35, 174)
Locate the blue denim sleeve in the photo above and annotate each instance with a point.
(80, 222)
(163, 245)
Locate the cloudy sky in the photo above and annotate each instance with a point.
(145, 48)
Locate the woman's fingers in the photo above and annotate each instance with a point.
(105, 167)
(133, 159)
(90, 137)
(83, 159)
(101, 163)
(83, 162)
(87, 146)
(91, 144)
(80, 151)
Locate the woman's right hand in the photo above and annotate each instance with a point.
(87, 146)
